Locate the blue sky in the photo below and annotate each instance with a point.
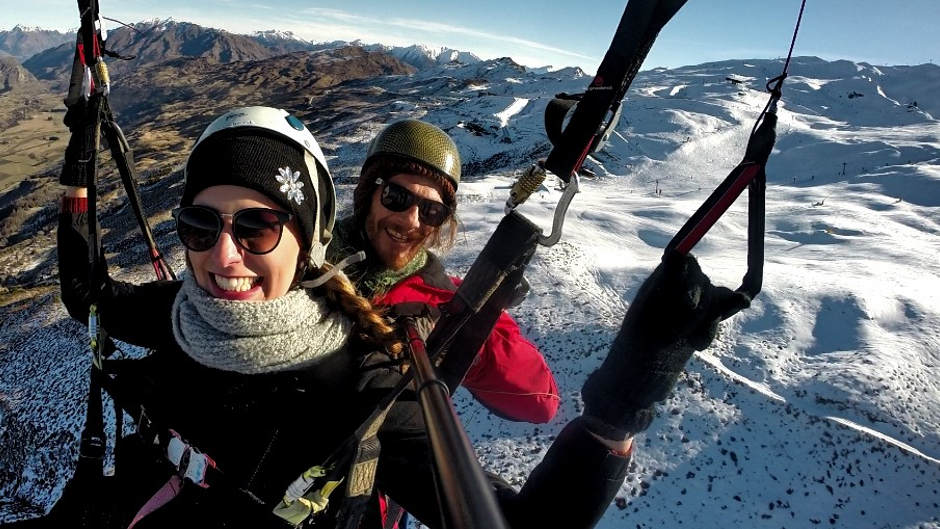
(560, 34)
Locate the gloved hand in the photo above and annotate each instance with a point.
(676, 311)
(80, 119)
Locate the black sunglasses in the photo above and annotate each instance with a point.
(396, 198)
(257, 230)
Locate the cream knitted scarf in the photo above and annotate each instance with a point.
(289, 332)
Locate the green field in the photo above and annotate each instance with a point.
(33, 146)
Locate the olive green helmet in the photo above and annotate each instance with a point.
(421, 142)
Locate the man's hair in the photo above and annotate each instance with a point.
(385, 167)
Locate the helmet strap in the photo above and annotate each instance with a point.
(321, 236)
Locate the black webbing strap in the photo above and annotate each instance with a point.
(748, 174)
(96, 119)
(92, 444)
(640, 24)
(123, 156)
(489, 287)
(555, 112)
(355, 460)
(393, 514)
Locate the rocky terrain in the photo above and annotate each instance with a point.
(15, 78)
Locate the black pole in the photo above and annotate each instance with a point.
(469, 501)
(640, 24)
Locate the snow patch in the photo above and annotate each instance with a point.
(517, 105)
(676, 89)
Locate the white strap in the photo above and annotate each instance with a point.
(338, 267)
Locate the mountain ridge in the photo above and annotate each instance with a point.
(150, 43)
(159, 40)
(23, 42)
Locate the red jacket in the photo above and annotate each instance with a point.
(509, 375)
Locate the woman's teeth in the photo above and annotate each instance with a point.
(236, 284)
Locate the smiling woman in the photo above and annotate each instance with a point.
(256, 215)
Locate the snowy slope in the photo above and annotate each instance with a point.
(818, 406)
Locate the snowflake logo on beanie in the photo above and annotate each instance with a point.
(290, 184)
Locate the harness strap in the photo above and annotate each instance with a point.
(555, 113)
(167, 492)
(392, 515)
(491, 285)
(362, 472)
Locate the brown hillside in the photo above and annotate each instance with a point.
(14, 77)
(179, 94)
(20, 95)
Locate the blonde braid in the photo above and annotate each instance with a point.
(373, 329)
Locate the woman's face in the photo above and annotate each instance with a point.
(229, 271)
(398, 236)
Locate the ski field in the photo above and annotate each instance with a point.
(819, 406)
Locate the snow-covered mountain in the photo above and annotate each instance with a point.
(282, 41)
(159, 40)
(418, 55)
(423, 57)
(153, 42)
(818, 406)
(23, 42)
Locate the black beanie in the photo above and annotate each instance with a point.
(259, 160)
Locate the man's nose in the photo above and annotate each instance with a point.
(411, 216)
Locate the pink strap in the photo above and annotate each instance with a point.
(166, 493)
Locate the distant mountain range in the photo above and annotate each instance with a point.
(158, 41)
(23, 42)
(283, 41)
(153, 43)
(422, 57)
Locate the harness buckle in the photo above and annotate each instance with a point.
(190, 463)
(94, 338)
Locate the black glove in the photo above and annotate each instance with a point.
(81, 120)
(676, 311)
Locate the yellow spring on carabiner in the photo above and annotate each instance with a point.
(527, 184)
(104, 77)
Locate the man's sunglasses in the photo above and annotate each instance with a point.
(257, 230)
(396, 198)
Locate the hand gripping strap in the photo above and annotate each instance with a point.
(304, 499)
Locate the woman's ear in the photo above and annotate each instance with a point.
(302, 267)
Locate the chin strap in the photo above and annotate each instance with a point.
(337, 268)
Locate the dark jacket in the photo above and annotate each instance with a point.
(264, 430)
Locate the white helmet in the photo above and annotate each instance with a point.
(288, 126)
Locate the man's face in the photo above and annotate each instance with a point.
(398, 236)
